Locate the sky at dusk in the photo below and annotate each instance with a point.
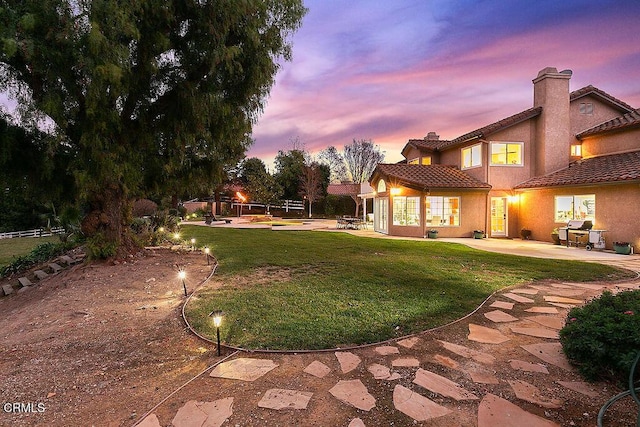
(394, 70)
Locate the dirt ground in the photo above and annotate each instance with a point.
(101, 344)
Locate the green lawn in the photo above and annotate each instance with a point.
(10, 248)
(312, 290)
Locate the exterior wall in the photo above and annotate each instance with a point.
(611, 143)
(507, 176)
(616, 211)
(601, 113)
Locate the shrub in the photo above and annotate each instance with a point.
(601, 338)
(41, 253)
(99, 248)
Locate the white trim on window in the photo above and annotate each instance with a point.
(471, 156)
(506, 153)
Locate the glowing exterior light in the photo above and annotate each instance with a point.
(176, 236)
(395, 191)
(161, 229)
(216, 317)
(182, 275)
(207, 251)
(241, 197)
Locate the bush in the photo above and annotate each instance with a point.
(41, 253)
(601, 338)
(99, 248)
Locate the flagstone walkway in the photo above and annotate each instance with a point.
(508, 369)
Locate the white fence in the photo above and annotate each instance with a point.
(38, 232)
(286, 205)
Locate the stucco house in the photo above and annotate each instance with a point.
(573, 155)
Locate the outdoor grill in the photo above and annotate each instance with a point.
(579, 228)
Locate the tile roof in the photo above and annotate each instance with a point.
(611, 168)
(343, 189)
(592, 90)
(431, 176)
(628, 120)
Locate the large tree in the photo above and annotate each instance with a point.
(289, 167)
(143, 92)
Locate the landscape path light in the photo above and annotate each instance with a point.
(216, 316)
(176, 236)
(182, 275)
(193, 244)
(207, 252)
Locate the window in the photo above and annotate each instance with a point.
(586, 108)
(506, 153)
(442, 211)
(406, 210)
(382, 186)
(415, 161)
(575, 207)
(420, 161)
(576, 150)
(472, 156)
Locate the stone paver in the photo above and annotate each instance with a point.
(415, 405)
(580, 387)
(356, 422)
(381, 372)
(521, 365)
(469, 353)
(245, 369)
(446, 361)
(354, 393)
(503, 305)
(278, 399)
(532, 394)
(550, 353)
(485, 335)
(317, 369)
(537, 332)
(499, 316)
(199, 414)
(590, 286)
(441, 385)
(497, 412)
(567, 292)
(386, 350)
(553, 322)
(409, 342)
(482, 376)
(526, 291)
(405, 362)
(517, 298)
(150, 421)
(348, 361)
(542, 310)
(557, 304)
(562, 300)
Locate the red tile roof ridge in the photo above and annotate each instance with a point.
(631, 119)
(590, 89)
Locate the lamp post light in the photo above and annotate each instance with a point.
(216, 316)
(182, 275)
(207, 251)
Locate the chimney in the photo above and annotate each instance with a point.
(553, 132)
(432, 136)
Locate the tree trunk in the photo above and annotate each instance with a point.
(108, 221)
(357, 201)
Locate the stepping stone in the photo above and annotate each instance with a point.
(150, 421)
(446, 361)
(567, 292)
(542, 310)
(517, 298)
(482, 377)
(348, 361)
(553, 322)
(521, 365)
(545, 287)
(211, 414)
(485, 335)
(7, 289)
(41, 275)
(550, 353)
(557, 304)
(469, 353)
(497, 412)
(245, 369)
(24, 282)
(386, 350)
(499, 316)
(537, 332)
(586, 286)
(531, 394)
(405, 362)
(503, 305)
(441, 385)
(317, 369)
(560, 286)
(525, 291)
(356, 422)
(55, 268)
(381, 372)
(562, 300)
(68, 260)
(409, 342)
(580, 387)
(278, 399)
(353, 393)
(415, 405)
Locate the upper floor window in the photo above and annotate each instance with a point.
(382, 186)
(426, 160)
(586, 108)
(576, 150)
(472, 156)
(506, 153)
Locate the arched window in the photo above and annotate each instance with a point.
(382, 186)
